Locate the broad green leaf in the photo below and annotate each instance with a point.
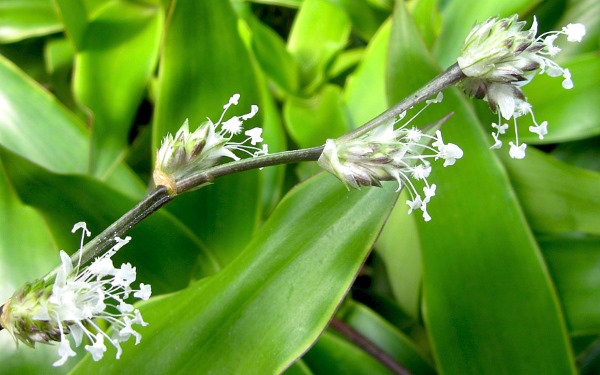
(458, 17)
(555, 197)
(334, 355)
(27, 252)
(312, 121)
(203, 63)
(34, 125)
(365, 18)
(428, 19)
(484, 281)
(270, 51)
(346, 62)
(112, 68)
(320, 31)
(298, 368)
(364, 94)
(74, 15)
(571, 114)
(399, 246)
(574, 264)
(385, 336)
(271, 303)
(166, 254)
(26, 19)
(583, 154)
(59, 55)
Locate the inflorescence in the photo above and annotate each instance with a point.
(387, 154)
(46, 311)
(499, 57)
(187, 152)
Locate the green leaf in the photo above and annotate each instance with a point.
(386, 337)
(119, 50)
(26, 19)
(74, 18)
(27, 252)
(312, 121)
(555, 197)
(365, 18)
(364, 94)
(27, 109)
(458, 17)
(203, 63)
(484, 282)
(272, 55)
(428, 19)
(571, 114)
(574, 264)
(583, 154)
(334, 355)
(270, 304)
(399, 246)
(320, 31)
(167, 255)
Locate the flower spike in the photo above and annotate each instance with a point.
(385, 154)
(187, 151)
(46, 311)
(499, 58)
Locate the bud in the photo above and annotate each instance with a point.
(46, 311)
(385, 154)
(187, 152)
(499, 58)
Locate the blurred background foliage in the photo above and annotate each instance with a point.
(248, 272)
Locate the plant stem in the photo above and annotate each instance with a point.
(449, 77)
(368, 346)
(105, 240)
(203, 177)
(159, 197)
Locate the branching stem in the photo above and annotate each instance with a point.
(160, 197)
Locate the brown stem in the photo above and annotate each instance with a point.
(368, 346)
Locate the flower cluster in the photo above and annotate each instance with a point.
(499, 57)
(43, 311)
(387, 154)
(203, 148)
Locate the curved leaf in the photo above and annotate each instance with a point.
(271, 303)
(25, 111)
(25, 19)
(203, 63)
(310, 122)
(574, 264)
(118, 50)
(319, 32)
(476, 245)
(167, 254)
(556, 197)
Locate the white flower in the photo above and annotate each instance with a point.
(98, 349)
(541, 130)
(73, 301)
(385, 154)
(574, 32)
(64, 351)
(144, 292)
(517, 151)
(255, 135)
(499, 58)
(187, 152)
